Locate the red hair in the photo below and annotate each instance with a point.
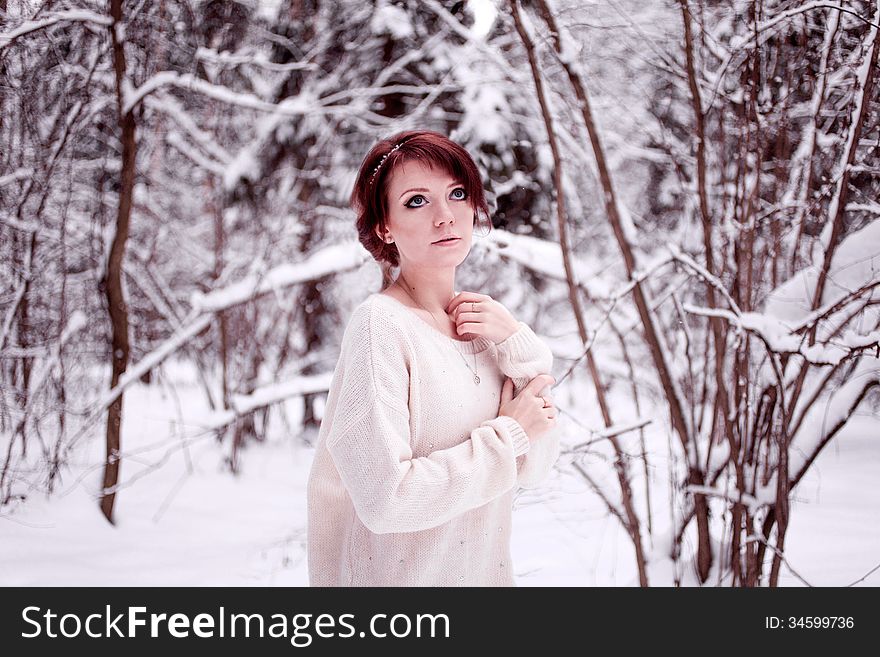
(369, 197)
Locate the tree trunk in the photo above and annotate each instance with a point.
(116, 305)
(632, 523)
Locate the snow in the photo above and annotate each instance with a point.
(270, 394)
(838, 500)
(18, 174)
(331, 259)
(391, 19)
(176, 139)
(244, 166)
(268, 9)
(172, 107)
(72, 15)
(191, 523)
(862, 76)
(148, 362)
(248, 58)
(293, 106)
(187, 523)
(184, 519)
(485, 113)
(828, 414)
(484, 16)
(856, 262)
(630, 233)
(545, 256)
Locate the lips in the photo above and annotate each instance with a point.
(448, 238)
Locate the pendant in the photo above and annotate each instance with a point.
(476, 379)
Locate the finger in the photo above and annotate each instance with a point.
(461, 297)
(507, 391)
(466, 315)
(470, 327)
(535, 385)
(476, 308)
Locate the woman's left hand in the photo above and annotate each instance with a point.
(480, 314)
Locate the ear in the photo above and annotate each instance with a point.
(381, 233)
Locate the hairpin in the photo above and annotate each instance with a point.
(382, 161)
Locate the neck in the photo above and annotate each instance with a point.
(433, 289)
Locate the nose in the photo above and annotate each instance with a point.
(443, 214)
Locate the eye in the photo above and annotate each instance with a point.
(410, 204)
(463, 193)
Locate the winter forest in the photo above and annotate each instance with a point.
(684, 206)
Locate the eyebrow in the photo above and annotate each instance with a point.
(422, 189)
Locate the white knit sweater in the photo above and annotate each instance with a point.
(414, 473)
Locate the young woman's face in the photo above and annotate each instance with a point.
(426, 205)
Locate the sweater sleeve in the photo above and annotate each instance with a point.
(369, 441)
(522, 357)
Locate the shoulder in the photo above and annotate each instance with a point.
(372, 315)
(375, 324)
(383, 316)
(375, 359)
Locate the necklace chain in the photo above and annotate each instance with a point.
(472, 369)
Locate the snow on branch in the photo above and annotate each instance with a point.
(763, 26)
(75, 323)
(610, 432)
(864, 76)
(330, 260)
(366, 92)
(176, 140)
(823, 421)
(71, 15)
(760, 32)
(250, 59)
(169, 105)
(781, 339)
(151, 360)
(270, 394)
(18, 174)
(834, 305)
(854, 275)
(872, 207)
(750, 501)
(490, 51)
(544, 257)
(23, 226)
(298, 105)
(293, 106)
(679, 256)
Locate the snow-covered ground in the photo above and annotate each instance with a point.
(190, 522)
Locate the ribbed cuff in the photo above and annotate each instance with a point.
(518, 435)
(521, 344)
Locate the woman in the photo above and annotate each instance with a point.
(424, 438)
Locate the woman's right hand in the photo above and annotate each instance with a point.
(528, 408)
